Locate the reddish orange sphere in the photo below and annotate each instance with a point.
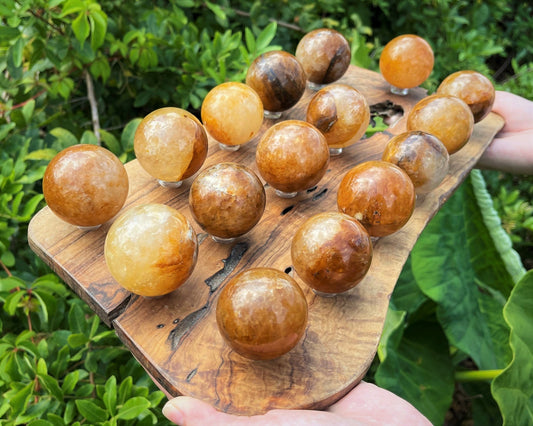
(378, 194)
(85, 185)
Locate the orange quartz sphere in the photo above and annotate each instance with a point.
(232, 113)
(473, 88)
(446, 117)
(324, 54)
(170, 144)
(227, 200)
(278, 78)
(341, 113)
(262, 313)
(406, 61)
(85, 185)
(378, 194)
(151, 249)
(422, 156)
(331, 252)
(292, 156)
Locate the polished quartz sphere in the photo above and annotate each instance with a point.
(324, 54)
(446, 117)
(292, 156)
(422, 156)
(378, 194)
(227, 200)
(341, 113)
(151, 249)
(232, 113)
(473, 88)
(331, 252)
(262, 313)
(170, 144)
(406, 61)
(279, 80)
(85, 185)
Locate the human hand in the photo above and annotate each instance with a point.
(512, 148)
(366, 404)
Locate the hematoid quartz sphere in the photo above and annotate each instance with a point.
(171, 145)
(262, 313)
(325, 56)
(151, 249)
(227, 200)
(232, 114)
(331, 252)
(85, 185)
(378, 194)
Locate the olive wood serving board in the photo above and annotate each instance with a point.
(175, 337)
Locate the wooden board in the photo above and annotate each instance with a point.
(175, 337)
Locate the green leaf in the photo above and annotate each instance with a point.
(88, 137)
(128, 134)
(64, 137)
(111, 142)
(90, 411)
(133, 408)
(267, 35)
(407, 296)
(77, 339)
(7, 34)
(16, 51)
(52, 386)
(41, 154)
(124, 390)
(98, 22)
(27, 110)
(72, 6)
(6, 128)
(81, 27)
(110, 395)
(12, 301)
(512, 389)
(20, 400)
(70, 381)
(77, 321)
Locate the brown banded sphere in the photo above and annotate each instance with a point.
(232, 113)
(278, 78)
(262, 313)
(227, 200)
(85, 185)
(341, 113)
(472, 87)
(331, 252)
(151, 249)
(406, 61)
(446, 117)
(422, 156)
(292, 156)
(170, 144)
(324, 54)
(378, 194)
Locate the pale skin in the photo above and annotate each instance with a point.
(367, 404)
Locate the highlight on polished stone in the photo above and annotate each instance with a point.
(151, 249)
(378, 194)
(406, 62)
(232, 114)
(85, 185)
(422, 156)
(279, 80)
(262, 313)
(171, 145)
(227, 200)
(331, 252)
(325, 56)
(292, 156)
(341, 113)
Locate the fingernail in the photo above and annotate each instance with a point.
(172, 412)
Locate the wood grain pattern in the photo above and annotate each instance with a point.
(175, 337)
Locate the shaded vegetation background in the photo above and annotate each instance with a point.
(457, 342)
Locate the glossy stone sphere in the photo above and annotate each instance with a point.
(232, 113)
(324, 54)
(262, 313)
(406, 61)
(331, 252)
(227, 200)
(170, 144)
(446, 117)
(378, 194)
(422, 156)
(278, 78)
(472, 87)
(341, 113)
(85, 185)
(151, 249)
(292, 156)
